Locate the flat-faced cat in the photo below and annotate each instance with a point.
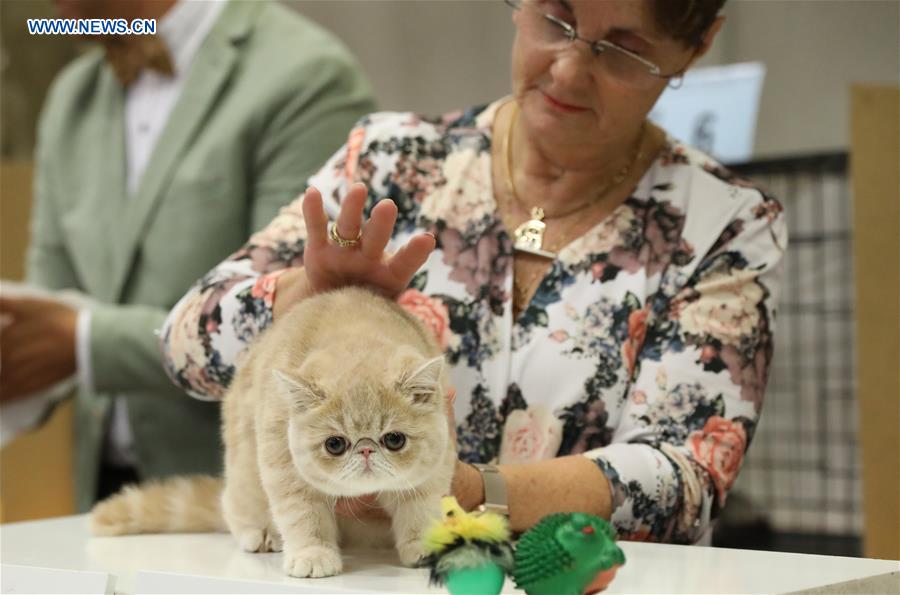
(344, 396)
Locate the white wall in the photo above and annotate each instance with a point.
(436, 55)
(813, 51)
(430, 56)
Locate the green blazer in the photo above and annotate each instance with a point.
(269, 97)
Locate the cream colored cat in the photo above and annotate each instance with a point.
(345, 396)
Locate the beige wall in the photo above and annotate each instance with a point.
(424, 55)
(437, 55)
(813, 50)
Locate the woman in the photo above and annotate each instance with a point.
(605, 294)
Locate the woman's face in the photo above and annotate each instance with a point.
(567, 97)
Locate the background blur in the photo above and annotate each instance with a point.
(434, 56)
(824, 470)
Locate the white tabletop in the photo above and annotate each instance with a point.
(213, 563)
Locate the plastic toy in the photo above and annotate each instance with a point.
(468, 552)
(567, 554)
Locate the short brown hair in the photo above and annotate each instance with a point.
(686, 20)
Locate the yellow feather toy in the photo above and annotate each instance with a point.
(469, 552)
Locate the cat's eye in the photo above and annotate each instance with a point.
(336, 445)
(393, 440)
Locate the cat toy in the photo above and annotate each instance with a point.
(469, 553)
(567, 554)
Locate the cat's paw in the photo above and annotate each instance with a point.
(259, 540)
(313, 561)
(411, 552)
(273, 540)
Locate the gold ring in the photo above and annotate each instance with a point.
(343, 242)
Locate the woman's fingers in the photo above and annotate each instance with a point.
(410, 258)
(371, 265)
(378, 229)
(315, 218)
(349, 220)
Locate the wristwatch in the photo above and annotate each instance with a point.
(494, 490)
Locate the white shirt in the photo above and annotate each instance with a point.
(148, 103)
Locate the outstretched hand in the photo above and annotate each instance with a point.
(329, 265)
(326, 265)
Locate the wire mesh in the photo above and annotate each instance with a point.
(803, 467)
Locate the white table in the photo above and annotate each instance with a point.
(212, 563)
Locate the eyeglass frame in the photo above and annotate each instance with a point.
(601, 45)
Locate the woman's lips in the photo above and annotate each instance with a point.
(563, 107)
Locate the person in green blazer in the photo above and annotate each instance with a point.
(145, 178)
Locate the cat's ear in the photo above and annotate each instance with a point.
(423, 383)
(296, 391)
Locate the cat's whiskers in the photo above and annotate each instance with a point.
(350, 469)
(383, 463)
(332, 505)
(410, 493)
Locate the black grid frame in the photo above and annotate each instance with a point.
(803, 467)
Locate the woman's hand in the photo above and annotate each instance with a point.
(329, 266)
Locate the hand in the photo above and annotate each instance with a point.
(328, 266)
(366, 507)
(37, 345)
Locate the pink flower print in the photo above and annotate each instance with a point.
(719, 448)
(430, 311)
(264, 288)
(559, 336)
(530, 435)
(637, 331)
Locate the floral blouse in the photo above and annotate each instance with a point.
(645, 348)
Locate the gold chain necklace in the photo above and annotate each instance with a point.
(529, 236)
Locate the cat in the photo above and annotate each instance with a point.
(344, 396)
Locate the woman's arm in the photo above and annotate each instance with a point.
(211, 327)
(289, 260)
(534, 490)
(701, 359)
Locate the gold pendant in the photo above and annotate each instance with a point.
(529, 237)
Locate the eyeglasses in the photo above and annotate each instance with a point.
(623, 65)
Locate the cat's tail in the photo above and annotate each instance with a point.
(188, 504)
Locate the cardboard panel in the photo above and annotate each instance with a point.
(875, 130)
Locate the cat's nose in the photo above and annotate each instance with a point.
(365, 451)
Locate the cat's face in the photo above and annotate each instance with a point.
(376, 427)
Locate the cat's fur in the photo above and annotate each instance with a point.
(346, 363)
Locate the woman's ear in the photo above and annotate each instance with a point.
(708, 39)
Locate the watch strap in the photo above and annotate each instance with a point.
(494, 490)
